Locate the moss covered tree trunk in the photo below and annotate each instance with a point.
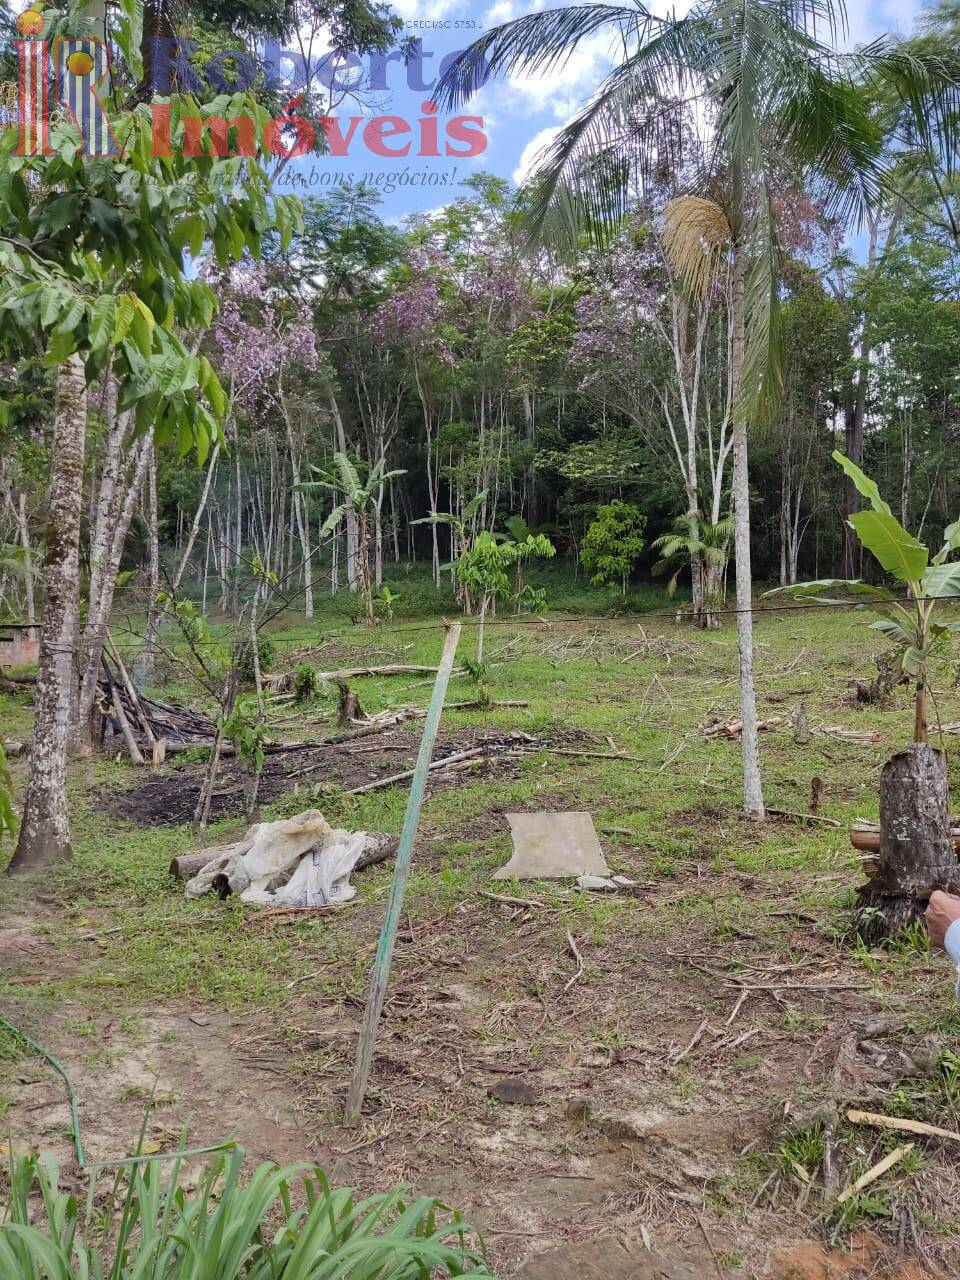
(45, 829)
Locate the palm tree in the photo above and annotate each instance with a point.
(704, 549)
(358, 497)
(781, 103)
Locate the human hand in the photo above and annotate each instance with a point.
(942, 910)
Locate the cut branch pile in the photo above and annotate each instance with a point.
(145, 723)
(716, 726)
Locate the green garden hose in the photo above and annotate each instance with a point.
(71, 1091)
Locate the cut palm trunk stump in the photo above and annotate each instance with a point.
(917, 853)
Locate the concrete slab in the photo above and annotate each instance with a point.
(553, 846)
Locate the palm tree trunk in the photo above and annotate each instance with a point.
(149, 651)
(45, 829)
(752, 786)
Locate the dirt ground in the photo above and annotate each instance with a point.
(170, 798)
(576, 1154)
(645, 1087)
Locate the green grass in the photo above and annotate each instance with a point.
(164, 947)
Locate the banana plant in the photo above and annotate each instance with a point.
(361, 497)
(908, 616)
(462, 530)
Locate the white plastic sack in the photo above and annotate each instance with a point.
(273, 848)
(296, 862)
(322, 877)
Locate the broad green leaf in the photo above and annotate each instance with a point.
(912, 661)
(190, 233)
(61, 345)
(103, 319)
(942, 581)
(892, 630)
(71, 315)
(124, 318)
(862, 483)
(885, 537)
(800, 590)
(51, 304)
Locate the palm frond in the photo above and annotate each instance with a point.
(541, 42)
(927, 82)
(695, 233)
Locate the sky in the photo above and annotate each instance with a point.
(517, 116)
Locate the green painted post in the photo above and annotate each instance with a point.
(388, 934)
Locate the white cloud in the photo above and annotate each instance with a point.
(564, 89)
(531, 153)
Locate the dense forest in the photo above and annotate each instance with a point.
(444, 349)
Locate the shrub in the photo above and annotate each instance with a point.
(281, 1224)
(613, 543)
(243, 657)
(306, 686)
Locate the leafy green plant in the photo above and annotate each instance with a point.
(8, 819)
(386, 601)
(910, 625)
(306, 685)
(243, 656)
(532, 599)
(461, 532)
(244, 725)
(281, 1224)
(613, 542)
(528, 545)
(483, 571)
(359, 496)
(704, 549)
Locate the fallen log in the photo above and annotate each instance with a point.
(349, 673)
(379, 846)
(186, 865)
(867, 839)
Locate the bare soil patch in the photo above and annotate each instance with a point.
(170, 798)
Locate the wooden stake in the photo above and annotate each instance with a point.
(411, 820)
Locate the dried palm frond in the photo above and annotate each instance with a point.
(695, 233)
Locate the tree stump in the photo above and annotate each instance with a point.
(349, 710)
(916, 848)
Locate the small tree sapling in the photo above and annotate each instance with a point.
(613, 543)
(359, 496)
(528, 545)
(483, 571)
(462, 528)
(915, 632)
